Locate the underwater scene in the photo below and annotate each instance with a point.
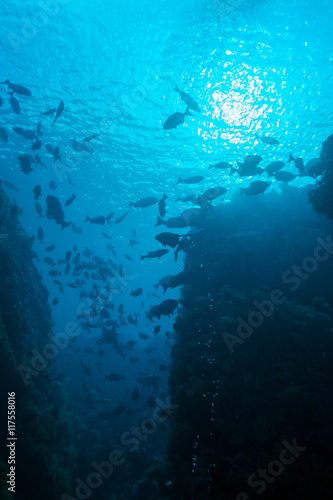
(166, 250)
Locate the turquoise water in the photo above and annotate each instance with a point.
(254, 68)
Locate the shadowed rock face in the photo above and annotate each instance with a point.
(320, 196)
(25, 324)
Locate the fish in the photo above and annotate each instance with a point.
(100, 219)
(39, 209)
(173, 222)
(54, 152)
(48, 261)
(25, 162)
(182, 278)
(256, 187)
(121, 218)
(55, 301)
(3, 134)
(50, 248)
(274, 167)
(156, 254)
(133, 242)
(40, 234)
(70, 200)
(298, 162)
(37, 190)
(223, 165)
(17, 89)
(9, 185)
(144, 202)
(165, 308)
(209, 195)
(132, 321)
(136, 292)
(53, 185)
(190, 103)
(149, 379)
(50, 111)
(91, 137)
(162, 205)
(143, 336)
(36, 145)
(157, 329)
(266, 139)
(39, 161)
(55, 273)
(135, 394)
(68, 255)
(58, 112)
(15, 105)
(27, 134)
(86, 369)
(176, 119)
(284, 176)
(168, 239)
(195, 179)
(55, 211)
(250, 160)
(114, 377)
(107, 236)
(128, 257)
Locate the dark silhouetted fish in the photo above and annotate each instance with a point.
(128, 257)
(165, 308)
(15, 105)
(209, 195)
(284, 176)
(267, 139)
(25, 162)
(50, 248)
(195, 179)
(144, 202)
(256, 187)
(27, 134)
(48, 112)
(17, 89)
(3, 134)
(273, 167)
(190, 103)
(136, 292)
(162, 205)
(173, 222)
(39, 209)
(40, 234)
(55, 212)
(53, 185)
(168, 239)
(100, 219)
(298, 162)
(121, 218)
(58, 112)
(90, 137)
(114, 377)
(70, 200)
(156, 254)
(36, 145)
(86, 369)
(9, 185)
(37, 190)
(175, 119)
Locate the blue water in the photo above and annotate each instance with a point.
(254, 67)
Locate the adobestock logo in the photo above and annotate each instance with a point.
(293, 277)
